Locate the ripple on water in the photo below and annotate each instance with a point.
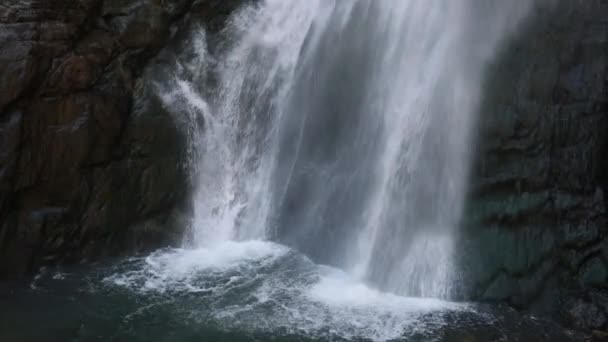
(243, 291)
(263, 286)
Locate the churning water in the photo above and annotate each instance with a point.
(331, 132)
(342, 129)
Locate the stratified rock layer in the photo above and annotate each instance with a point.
(536, 225)
(90, 162)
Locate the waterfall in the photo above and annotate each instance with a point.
(343, 129)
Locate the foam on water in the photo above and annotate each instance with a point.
(338, 289)
(272, 288)
(176, 270)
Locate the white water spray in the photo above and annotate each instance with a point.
(342, 128)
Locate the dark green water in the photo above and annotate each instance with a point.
(254, 291)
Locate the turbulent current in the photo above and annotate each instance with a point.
(330, 149)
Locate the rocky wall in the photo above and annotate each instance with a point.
(91, 163)
(535, 233)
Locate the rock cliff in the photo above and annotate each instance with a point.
(536, 234)
(90, 163)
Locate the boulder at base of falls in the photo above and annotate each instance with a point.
(536, 227)
(90, 162)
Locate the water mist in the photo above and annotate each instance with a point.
(343, 129)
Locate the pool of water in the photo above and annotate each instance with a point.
(241, 291)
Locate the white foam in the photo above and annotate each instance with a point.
(222, 256)
(273, 288)
(338, 289)
(178, 270)
(354, 310)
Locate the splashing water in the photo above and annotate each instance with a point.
(262, 286)
(342, 128)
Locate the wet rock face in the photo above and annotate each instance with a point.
(90, 162)
(535, 230)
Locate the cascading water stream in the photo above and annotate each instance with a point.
(330, 143)
(342, 128)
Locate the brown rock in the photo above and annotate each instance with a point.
(74, 73)
(84, 172)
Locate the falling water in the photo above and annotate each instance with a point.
(330, 144)
(343, 129)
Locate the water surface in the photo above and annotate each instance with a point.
(241, 291)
